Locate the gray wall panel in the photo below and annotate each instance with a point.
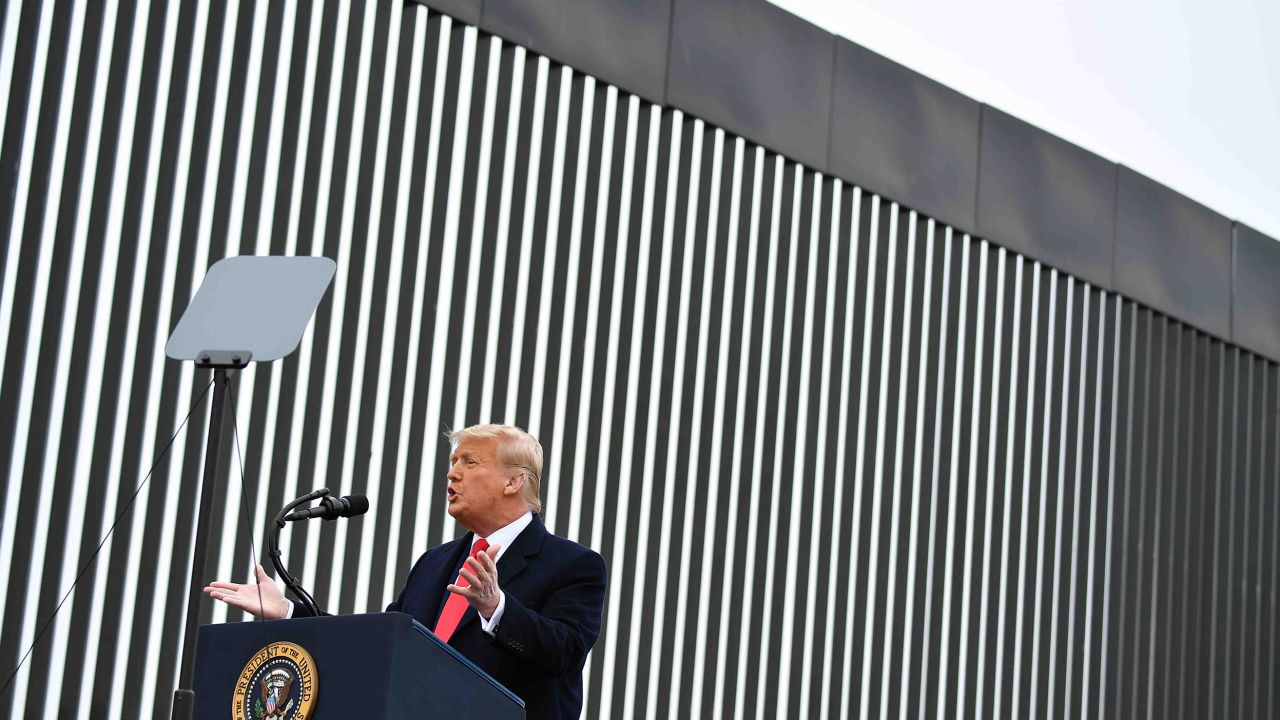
(1173, 253)
(468, 11)
(1255, 291)
(1045, 197)
(622, 42)
(897, 132)
(755, 70)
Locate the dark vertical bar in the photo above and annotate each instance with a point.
(746, 360)
(574, 132)
(1158, 606)
(44, 417)
(789, 279)
(422, 426)
(1001, 488)
(253, 470)
(598, 492)
(1125, 671)
(889, 478)
(311, 206)
(846, 314)
(1185, 630)
(930, 354)
(578, 305)
(670, 596)
(780, 410)
(468, 235)
(485, 315)
(1065, 540)
(948, 249)
(629, 281)
(516, 220)
(1257, 623)
(1126, 370)
(1016, 482)
(913, 247)
(363, 211)
(42, 158)
(399, 349)
(17, 108)
(419, 250)
(702, 419)
(1239, 488)
(1171, 641)
(1079, 558)
(967, 389)
(1104, 484)
(150, 110)
(290, 146)
(755, 667)
(415, 245)
(524, 413)
(1039, 286)
(645, 377)
(202, 154)
(832, 293)
(1219, 617)
(1272, 550)
(220, 246)
(1212, 359)
(519, 173)
(981, 485)
(337, 208)
(126, 249)
(872, 279)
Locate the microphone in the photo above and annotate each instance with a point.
(331, 508)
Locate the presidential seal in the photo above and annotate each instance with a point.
(278, 682)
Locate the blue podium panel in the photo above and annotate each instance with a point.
(381, 665)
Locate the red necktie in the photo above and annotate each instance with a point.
(456, 605)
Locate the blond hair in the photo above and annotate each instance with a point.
(517, 450)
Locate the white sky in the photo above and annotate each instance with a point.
(1187, 93)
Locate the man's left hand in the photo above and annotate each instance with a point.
(481, 572)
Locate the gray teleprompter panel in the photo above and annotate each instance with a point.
(258, 304)
(1255, 292)
(1173, 254)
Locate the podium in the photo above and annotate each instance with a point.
(380, 665)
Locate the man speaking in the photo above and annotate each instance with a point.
(525, 605)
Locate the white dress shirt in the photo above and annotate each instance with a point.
(502, 537)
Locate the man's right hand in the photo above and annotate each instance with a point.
(262, 599)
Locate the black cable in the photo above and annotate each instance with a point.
(94, 556)
(244, 495)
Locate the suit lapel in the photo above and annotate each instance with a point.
(514, 562)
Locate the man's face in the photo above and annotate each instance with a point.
(477, 481)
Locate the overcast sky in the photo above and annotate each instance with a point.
(1187, 93)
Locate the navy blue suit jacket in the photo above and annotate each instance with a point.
(555, 599)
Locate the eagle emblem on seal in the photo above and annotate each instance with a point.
(275, 694)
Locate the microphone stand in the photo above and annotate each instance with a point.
(273, 551)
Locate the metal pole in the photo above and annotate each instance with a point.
(184, 697)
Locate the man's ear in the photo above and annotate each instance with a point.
(515, 484)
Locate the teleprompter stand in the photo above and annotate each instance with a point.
(247, 309)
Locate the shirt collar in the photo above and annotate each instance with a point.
(506, 535)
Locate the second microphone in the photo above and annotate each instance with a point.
(331, 508)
